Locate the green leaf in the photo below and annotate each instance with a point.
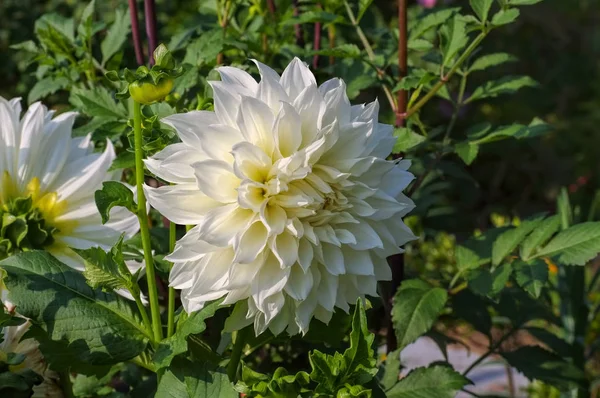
(416, 307)
(487, 61)
(391, 370)
(539, 236)
(505, 85)
(481, 8)
(107, 270)
(123, 160)
(531, 276)
(113, 193)
(205, 48)
(523, 2)
(195, 380)
(435, 381)
(466, 258)
(101, 328)
(467, 151)
(363, 5)
(504, 17)
(430, 21)
(116, 35)
(509, 240)
(454, 38)
(356, 366)
(99, 102)
(473, 309)
(489, 283)
(177, 344)
(537, 363)
(341, 51)
(419, 45)
(406, 139)
(312, 17)
(85, 24)
(574, 246)
(45, 87)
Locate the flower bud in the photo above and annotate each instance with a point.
(148, 93)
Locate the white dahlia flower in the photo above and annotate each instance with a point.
(295, 206)
(47, 185)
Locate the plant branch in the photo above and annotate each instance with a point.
(66, 385)
(492, 350)
(402, 61)
(370, 53)
(143, 220)
(171, 302)
(445, 78)
(135, 32)
(317, 41)
(136, 296)
(297, 27)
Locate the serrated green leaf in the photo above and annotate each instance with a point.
(509, 240)
(363, 5)
(391, 370)
(45, 87)
(195, 380)
(419, 45)
(523, 2)
(359, 356)
(85, 24)
(531, 276)
(539, 236)
(99, 102)
(406, 139)
(430, 21)
(504, 17)
(106, 270)
(575, 245)
(466, 258)
(177, 344)
(435, 381)
(113, 193)
(454, 38)
(489, 283)
(116, 35)
(490, 60)
(312, 17)
(102, 328)
(204, 50)
(467, 151)
(481, 8)
(537, 363)
(417, 305)
(505, 85)
(341, 51)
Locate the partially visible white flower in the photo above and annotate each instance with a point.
(40, 160)
(295, 206)
(34, 360)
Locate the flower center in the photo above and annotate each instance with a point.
(28, 217)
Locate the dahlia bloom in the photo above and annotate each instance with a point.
(295, 206)
(47, 185)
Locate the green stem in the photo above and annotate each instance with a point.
(370, 53)
(171, 305)
(136, 295)
(143, 220)
(65, 384)
(445, 79)
(236, 355)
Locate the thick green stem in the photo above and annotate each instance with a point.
(447, 77)
(236, 355)
(136, 295)
(171, 306)
(143, 220)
